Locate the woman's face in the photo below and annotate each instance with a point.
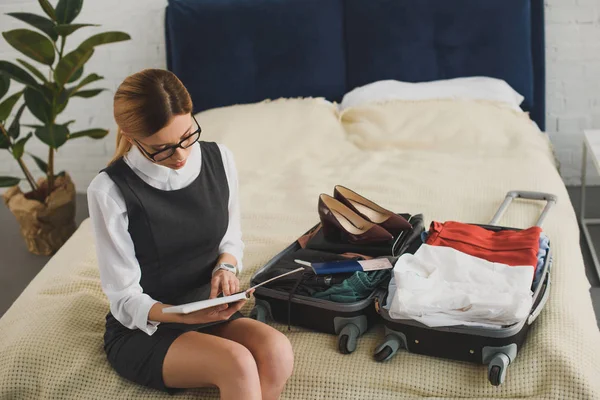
(177, 129)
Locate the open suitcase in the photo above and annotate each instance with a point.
(347, 320)
(496, 347)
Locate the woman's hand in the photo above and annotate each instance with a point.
(223, 281)
(217, 313)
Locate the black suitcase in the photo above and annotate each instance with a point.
(496, 347)
(347, 320)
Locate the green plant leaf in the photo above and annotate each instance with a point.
(19, 148)
(7, 105)
(69, 64)
(40, 104)
(15, 127)
(43, 24)
(17, 73)
(88, 93)
(92, 133)
(53, 135)
(7, 181)
(33, 70)
(40, 163)
(4, 84)
(60, 174)
(63, 100)
(87, 80)
(104, 38)
(66, 29)
(49, 87)
(76, 75)
(48, 9)
(32, 44)
(4, 143)
(68, 10)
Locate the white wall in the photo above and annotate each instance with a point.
(572, 80)
(143, 20)
(573, 76)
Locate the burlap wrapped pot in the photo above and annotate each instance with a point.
(46, 225)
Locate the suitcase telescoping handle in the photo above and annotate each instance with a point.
(519, 194)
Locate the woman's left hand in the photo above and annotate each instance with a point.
(223, 281)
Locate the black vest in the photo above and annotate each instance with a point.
(176, 234)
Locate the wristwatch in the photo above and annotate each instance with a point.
(227, 267)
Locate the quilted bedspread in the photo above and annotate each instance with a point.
(447, 159)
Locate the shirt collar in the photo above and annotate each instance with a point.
(159, 172)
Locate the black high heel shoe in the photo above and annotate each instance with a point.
(340, 223)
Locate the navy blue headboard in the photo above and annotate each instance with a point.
(241, 51)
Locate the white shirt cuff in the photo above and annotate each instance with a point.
(236, 252)
(141, 316)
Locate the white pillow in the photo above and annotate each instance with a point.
(474, 88)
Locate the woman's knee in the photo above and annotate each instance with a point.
(276, 357)
(240, 365)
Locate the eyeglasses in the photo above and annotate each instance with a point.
(167, 152)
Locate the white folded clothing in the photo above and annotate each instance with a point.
(441, 286)
(436, 320)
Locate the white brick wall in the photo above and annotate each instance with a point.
(573, 77)
(572, 80)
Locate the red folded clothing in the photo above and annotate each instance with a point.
(506, 246)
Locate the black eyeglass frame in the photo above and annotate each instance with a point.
(174, 147)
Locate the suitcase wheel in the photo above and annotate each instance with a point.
(494, 375)
(347, 338)
(385, 354)
(259, 313)
(497, 369)
(387, 349)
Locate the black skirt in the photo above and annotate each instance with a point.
(139, 357)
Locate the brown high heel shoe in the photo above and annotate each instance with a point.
(371, 211)
(339, 223)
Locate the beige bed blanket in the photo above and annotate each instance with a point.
(447, 159)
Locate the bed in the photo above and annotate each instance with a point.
(450, 159)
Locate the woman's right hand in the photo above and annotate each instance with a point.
(213, 314)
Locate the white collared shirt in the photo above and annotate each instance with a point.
(120, 271)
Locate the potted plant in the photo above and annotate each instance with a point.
(46, 213)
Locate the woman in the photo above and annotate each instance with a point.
(165, 214)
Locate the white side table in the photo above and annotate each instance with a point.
(591, 144)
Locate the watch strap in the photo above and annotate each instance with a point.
(227, 267)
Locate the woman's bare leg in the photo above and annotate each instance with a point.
(200, 360)
(271, 350)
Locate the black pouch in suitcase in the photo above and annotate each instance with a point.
(347, 320)
(496, 347)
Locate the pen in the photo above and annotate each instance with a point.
(305, 263)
